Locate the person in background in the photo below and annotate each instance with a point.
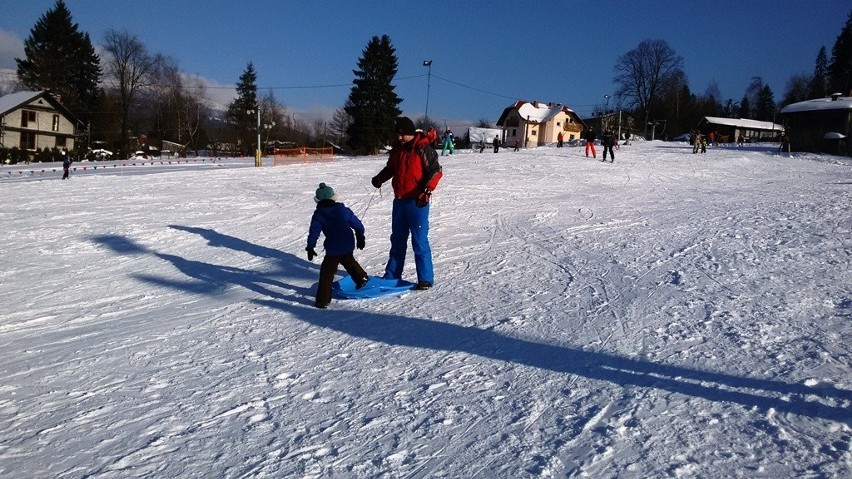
(496, 143)
(608, 141)
(590, 142)
(336, 222)
(66, 165)
(559, 138)
(448, 142)
(415, 172)
(784, 144)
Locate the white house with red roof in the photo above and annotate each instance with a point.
(534, 124)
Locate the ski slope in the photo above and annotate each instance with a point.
(668, 315)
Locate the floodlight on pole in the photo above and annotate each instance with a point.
(427, 63)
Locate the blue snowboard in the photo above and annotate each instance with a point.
(375, 288)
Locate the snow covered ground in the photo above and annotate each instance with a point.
(668, 315)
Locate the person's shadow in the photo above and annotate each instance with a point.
(209, 279)
(833, 404)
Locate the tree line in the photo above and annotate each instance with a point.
(652, 84)
(132, 94)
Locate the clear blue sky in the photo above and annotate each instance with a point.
(486, 54)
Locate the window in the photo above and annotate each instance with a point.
(28, 140)
(61, 141)
(27, 117)
(55, 126)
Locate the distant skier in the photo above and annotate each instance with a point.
(66, 165)
(590, 143)
(448, 142)
(336, 222)
(496, 143)
(608, 141)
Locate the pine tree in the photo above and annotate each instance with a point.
(61, 59)
(816, 87)
(745, 108)
(242, 112)
(764, 108)
(373, 101)
(840, 67)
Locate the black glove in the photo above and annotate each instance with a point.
(359, 241)
(377, 183)
(423, 198)
(311, 253)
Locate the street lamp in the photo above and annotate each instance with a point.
(606, 110)
(257, 161)
(427, 63)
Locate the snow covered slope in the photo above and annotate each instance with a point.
(668, 315)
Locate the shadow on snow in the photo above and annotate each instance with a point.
(434, 335)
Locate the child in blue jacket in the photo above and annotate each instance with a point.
(336, 222)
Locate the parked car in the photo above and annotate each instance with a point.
(681, 137)
(102, 154)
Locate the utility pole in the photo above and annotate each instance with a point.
(428, 63)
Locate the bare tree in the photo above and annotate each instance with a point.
(340, 122)
(273, 116)
(129, 66)
(643, 73)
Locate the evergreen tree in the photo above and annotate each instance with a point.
(373, 100)
(61, 59)
(764, 108)
(816, 87)
(242, 112)
(744, 111)
(840, 68)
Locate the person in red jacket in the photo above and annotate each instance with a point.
(415, 172)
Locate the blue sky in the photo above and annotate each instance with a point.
(486, 54)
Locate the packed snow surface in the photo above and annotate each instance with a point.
(666, 315)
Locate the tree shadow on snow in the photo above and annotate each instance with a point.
(212, 279)
(718, 387)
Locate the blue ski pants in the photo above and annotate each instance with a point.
(407, 219)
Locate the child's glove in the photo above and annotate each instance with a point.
(423, 198)
(311, 253)
(377, 183)
(359, 241)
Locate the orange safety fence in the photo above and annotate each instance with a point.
(289, 156)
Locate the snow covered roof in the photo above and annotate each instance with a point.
(14, 100)
(744, 123)
(539, 113)
(536, 112)
(828, 103)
